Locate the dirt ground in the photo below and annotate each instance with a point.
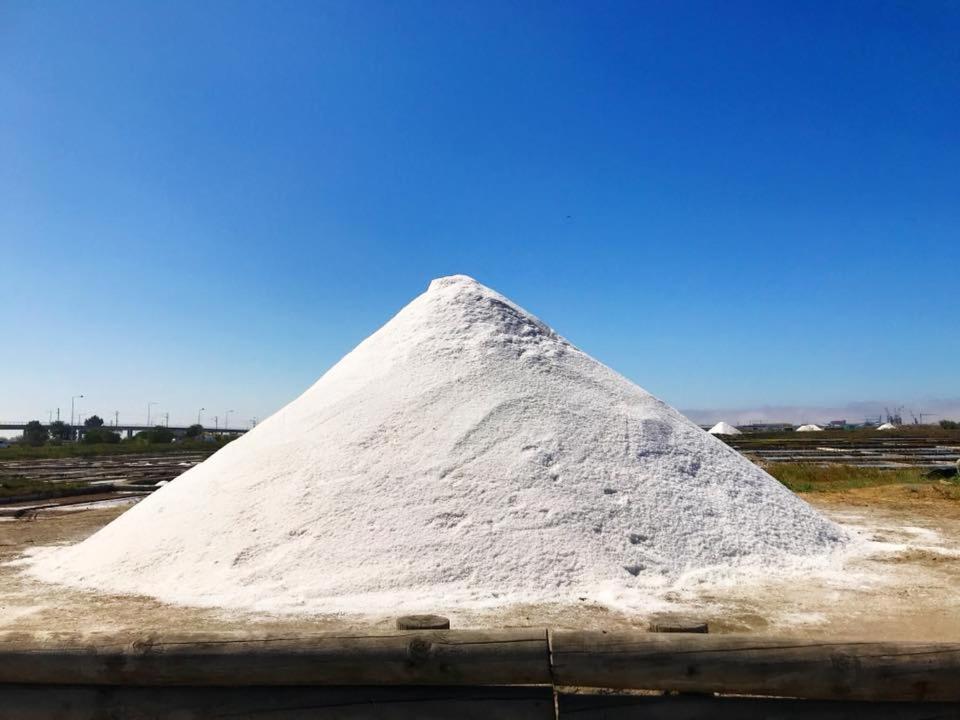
(904, 584)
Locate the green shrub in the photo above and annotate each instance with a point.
(100, 436)
(59, 431)
(159, 435)
(34, 434)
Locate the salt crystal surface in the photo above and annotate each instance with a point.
(887, 426)
(809, 428)
(462, 454)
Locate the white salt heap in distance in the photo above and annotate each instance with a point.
(887, 426)
(464, 454)
(724, 428)
(809, 428)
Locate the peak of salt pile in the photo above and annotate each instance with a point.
(724, 428)
(809, 428)
(887, 426)
(464, 454)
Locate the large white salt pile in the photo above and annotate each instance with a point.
(464, 454)
(809, 428)
(887, 426)
(724, 428)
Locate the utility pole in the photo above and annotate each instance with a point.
(166, 422)
(226, 419)
(116, 418)
(216, 423)
(148, 412)
(199, 413)
(49, 416)
(58, 414)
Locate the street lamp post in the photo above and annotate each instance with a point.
(148, 411)
(71, 413)
(226, 419)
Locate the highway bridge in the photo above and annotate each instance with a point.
(129, 430)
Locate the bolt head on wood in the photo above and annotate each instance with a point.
(423, 622)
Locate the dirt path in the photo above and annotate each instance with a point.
(904, 583)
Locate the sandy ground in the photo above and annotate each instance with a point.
(904, 584)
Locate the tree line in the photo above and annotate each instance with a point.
(94, 432)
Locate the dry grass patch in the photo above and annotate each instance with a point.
(808, 477)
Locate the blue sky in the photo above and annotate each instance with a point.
(733, 204)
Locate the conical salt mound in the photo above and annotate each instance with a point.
(464, 454)
(809, 428)
(887, 426)
(724, 428)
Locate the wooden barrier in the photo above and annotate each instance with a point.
(685, 707)
(431, 657)
(86, 702)
(78, 702)
(758, 666)
(328, 675)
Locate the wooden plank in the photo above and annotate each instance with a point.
(673, 623)
(423, 622)
(73, 702)
(682, 707)
(828, 670)
(433, 657)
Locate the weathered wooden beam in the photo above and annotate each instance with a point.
(686, 707)
(72, 702)
(682, 662)
(758, 666)
(434, 657)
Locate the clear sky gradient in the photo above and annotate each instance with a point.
(206, 204)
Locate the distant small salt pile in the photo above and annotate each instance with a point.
(724, 428)
(887, 426)
(462, 455)
(809, 428)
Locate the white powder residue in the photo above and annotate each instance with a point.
(724, 428)
(463, 455)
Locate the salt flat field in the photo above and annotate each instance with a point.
(859, 448)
